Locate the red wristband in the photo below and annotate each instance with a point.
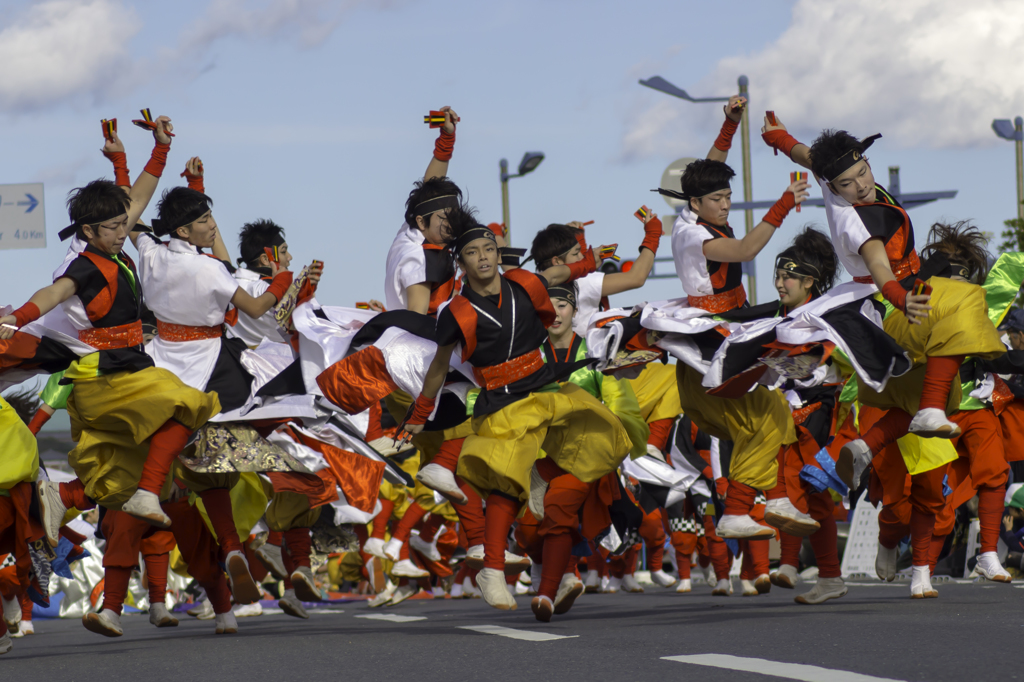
(421, 410)
(281, 282)
(895, 294)
(38, 420)
(782, 207)
(652, 235)
(158, 159)
(120, 161)
(194, 182)
(781, 141)
(724, 140)
(444, 146)
(26, 313)
(582, 267)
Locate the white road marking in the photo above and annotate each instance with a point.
(526, 635)
(793, 671)
(393, 617)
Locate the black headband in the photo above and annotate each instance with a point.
(470, 235)
(567, 293)
(695, 192)
(163, 227)
(788, 263)
(425, 208)
(959, 270)
(70, 229)
(850, 158)
(252, 257)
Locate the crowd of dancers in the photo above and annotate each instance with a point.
(494, 408)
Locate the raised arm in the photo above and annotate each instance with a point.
(733, 115)
(145, 186)
(257, 306)
(438, 166)
(618, 282)
(776, 137)
(42, 302)
(746, 249)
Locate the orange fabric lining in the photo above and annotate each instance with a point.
(440, 294)
(358, 381)
(465, 316)
(17, 349)
(318, 488)
(104, 301)
(537, 292)
(358, 477)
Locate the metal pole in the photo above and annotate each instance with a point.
(748, 191)
(1018, 124)
(503, 164)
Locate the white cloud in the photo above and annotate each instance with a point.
(61, 49)
(925, 73)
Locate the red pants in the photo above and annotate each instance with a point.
(200, 551)
(653, 533)
(755, 559)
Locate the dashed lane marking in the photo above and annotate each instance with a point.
(393, 617)
(792, 671)
(525, 635)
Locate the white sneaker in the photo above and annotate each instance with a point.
(226, 623)
(885, 562)
(202, 610)
(383, 598)
(542, 608)
(436, 477)
(5, 644)
(51, 509)
(305, 586)
(494, 590)
(456, 592)
(106, 623)
(921, 583)
(271, 558)
(592, 583)
(514, 564)
(161, 617)
(243, 587)
(247, 610)
(854, 459)
(407, 569)
(749, 590)
(662, 579)
(684, 586)
(629, 584)
(393, 549)
(469, 590)
(763, 584)
(569, 590)
(782, 514)
(427, 549)
(823, 590)
(709, 575)
(146, 506)
(614, 585)
(438, 592)
(538, 489)
(606, 584)
(12, 613)
(989, 568)
(26, 628)
(723, 588)
(786, 577)
(931, 422)
(403, 592)
(742, 526)
(291, 605)
(374, 547)
(384, 445)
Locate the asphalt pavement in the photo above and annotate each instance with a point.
(876, 632)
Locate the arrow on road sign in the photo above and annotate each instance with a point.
(31, 203)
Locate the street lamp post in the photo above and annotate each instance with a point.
(661, 85)
(529, 164)
(1014, 131)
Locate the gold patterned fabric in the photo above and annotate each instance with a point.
(224, 447)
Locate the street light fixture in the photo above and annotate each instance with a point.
(1014, 131)
(529, 164)
(661, 85)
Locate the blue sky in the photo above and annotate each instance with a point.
(309, 112)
